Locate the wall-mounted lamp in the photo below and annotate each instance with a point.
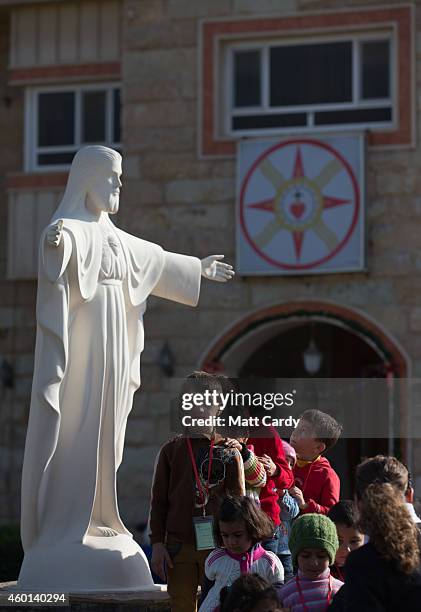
(312, 357)
(7, 375)
(166, 360)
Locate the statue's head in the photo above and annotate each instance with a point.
(93, 185)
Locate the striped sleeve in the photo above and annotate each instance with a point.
(210, 563)
(254, 471)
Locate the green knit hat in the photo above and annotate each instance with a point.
(313, 531)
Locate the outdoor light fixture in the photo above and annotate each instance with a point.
(166, 360)
(312, 357)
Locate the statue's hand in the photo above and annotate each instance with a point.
(216, 270)
(54, 234)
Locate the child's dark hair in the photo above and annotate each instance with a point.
(196, 382)
(258, 525)
(381, 483)
(345, 512)
(245, 593)
(326, 428)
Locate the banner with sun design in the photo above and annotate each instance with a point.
(300, 205)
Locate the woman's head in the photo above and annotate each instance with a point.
(249, 593)
(313, 543)
(381, 469)
(93, 185)
(381, 483)
(240, 523)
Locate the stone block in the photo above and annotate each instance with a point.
(154, 404)
(393, 262)
(168, 167)
(177, 9)
(162, 34)
(264, 6)
(214, 190)
(161, 139)
(24, 365)
(139, 431)
(131, 167)
(137, 13)
(236, 294)
(172, 74)
(140, 193)
(161, 114)
(415, 319)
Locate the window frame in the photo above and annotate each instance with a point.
(31, 148)
(227, 112)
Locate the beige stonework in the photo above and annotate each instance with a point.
(187, 204)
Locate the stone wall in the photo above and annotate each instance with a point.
(187, 205)
(17, 302)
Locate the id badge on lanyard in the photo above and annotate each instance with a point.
(203, 531)
(202, 525)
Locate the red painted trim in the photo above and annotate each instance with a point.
(64, 72)
(36, 181)
(335, 310)
(399, 16)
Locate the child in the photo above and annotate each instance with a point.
(289, 510)
(239, 527)
(191, 477)
(313, 543)
(317, 485)
(345, 516)
(382, 575)
(250, 593)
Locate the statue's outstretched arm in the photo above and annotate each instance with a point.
(216, 270)
(56, 251)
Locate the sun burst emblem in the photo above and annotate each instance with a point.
(305, 221)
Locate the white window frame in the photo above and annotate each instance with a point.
(356, 38)
(31, 148)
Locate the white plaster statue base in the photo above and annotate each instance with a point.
(115, 563)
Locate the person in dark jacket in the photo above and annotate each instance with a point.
(384, 574)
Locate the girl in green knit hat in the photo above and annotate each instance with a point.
(313, 544)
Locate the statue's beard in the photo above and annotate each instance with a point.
(114, 204)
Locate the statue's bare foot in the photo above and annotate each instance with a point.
(102, 531)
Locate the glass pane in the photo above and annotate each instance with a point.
(56, 117)
(362, 115)
(250, 122)
(246, 78)
(52, 159)
(375, 69)
(93, 116)
(116, 115)
(311, 74)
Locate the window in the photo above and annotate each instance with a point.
(278, 86)
(62, 119)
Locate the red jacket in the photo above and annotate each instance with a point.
(320, 485)
(283, 480)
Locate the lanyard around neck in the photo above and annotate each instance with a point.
(203, 494)
(303, 603)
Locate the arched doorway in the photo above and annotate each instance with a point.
(270, 343)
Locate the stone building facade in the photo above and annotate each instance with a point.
(179, 190)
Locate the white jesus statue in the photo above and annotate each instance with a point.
(93, 283)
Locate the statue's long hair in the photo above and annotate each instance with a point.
(87, 164)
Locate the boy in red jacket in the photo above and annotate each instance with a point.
(317, 485)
